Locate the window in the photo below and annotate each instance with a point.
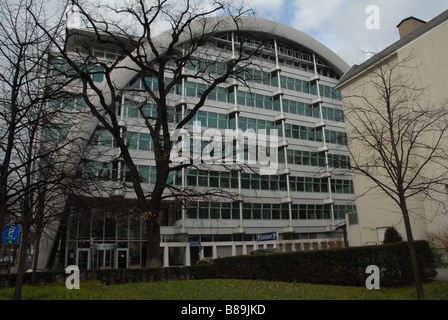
(203, 179)
(225, 210)
(144, 141)
(245, 180)
(224, 180)
(132, 140)
(203, 210)
(255, 182)
(256, 210)
(222, 94)
(143, 172)
(250, 99)
(241, 97)
(191, 89)
(191, 177)
(267, 215)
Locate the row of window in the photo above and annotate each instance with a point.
(61, 68)
(282, 49)
(214, 179)
(132, 109)
(265, 211)
(86, 225)
(68, 103)
(142, 141)
(262, 77)
(306, 158)
(222, 121)
(250, 99)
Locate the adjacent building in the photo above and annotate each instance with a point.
(299, 207)
(419, 56)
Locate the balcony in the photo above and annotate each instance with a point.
(320, 124)
(180, 102)
(122, 124)
(328, 201)
(316, 101)
(277, 93)
(286, 200)
(233, 110)
(275, 69)
(232, 84)
(313, 79)
(284, 172)
(323, 149)
(326, 175)
(283, 144)
(231, 59)
(279, 118)
(239, 230)
(288, 230)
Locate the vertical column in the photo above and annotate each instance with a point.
(321, 125)
(120, 164)
(187, 255)
(235, 110)
(183, 110)
(166, 256)
(286, 171)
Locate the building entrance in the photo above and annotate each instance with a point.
(102, 256)
(104, 259)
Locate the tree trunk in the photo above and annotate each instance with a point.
(412, 252)
(35, 261)
(153, 243)
(21, 266)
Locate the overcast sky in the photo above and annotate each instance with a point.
(341, 24)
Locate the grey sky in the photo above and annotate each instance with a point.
(340, 24)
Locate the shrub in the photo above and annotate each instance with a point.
(341, 266)
(344, 266)
(392, 236)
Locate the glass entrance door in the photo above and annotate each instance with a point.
(104, 259)
(122, 258)
(83, 259)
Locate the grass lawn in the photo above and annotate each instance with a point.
(218, 289)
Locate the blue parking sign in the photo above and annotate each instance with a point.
(11, 234)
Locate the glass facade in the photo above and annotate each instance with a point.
(291, 91)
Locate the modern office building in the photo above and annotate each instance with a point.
(417, 56)
(299, 207)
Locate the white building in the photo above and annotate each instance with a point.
(304, 202)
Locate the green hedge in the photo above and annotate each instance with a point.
(344, 266)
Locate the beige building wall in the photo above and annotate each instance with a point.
(428, 69)
(431, 73)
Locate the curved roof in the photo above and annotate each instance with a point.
(254, 24)
(223, 24)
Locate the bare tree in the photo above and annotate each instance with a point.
(165, 60)
(397, 139)
(25, 114)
